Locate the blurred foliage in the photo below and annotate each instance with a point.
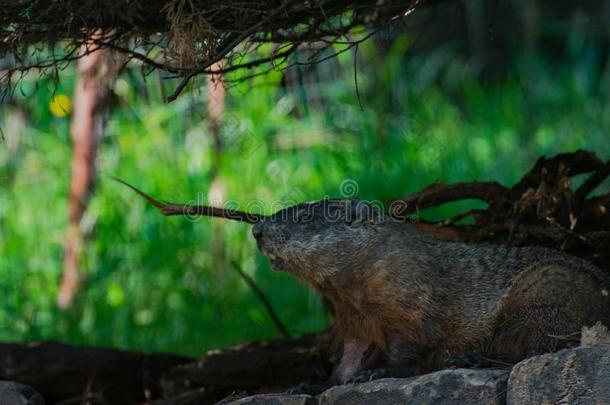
(167, 284)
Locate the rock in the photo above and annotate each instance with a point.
(596, 335)
(276, 399)
(459, 386)
(12, 393)
(579, 376)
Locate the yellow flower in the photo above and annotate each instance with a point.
(60, 105)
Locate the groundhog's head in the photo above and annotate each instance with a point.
(318, 240)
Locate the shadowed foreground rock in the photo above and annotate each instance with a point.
(460, 386)
(579, 376)
(276, 399)
(12, 393)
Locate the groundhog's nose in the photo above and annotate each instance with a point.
(257, 231)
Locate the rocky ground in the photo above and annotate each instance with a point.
(578, 376)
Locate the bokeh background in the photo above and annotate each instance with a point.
(478, 95)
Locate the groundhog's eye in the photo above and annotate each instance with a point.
(352, 220)
(304, 216)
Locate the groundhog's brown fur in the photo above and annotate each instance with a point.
(402, 297)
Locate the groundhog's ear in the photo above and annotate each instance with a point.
(360, 212)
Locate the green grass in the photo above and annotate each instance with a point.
(156, 283)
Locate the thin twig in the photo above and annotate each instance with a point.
(189, 210)
(356, 77)
(263, 298)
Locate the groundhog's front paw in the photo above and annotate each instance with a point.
(309, 389)
(367, 375)
(377, 373)
(475, 361)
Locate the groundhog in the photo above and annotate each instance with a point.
(405, 300)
